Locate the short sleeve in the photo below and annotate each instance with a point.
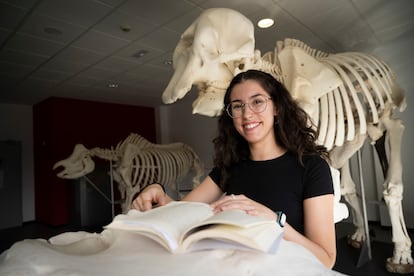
(215, 175)
(318, 178)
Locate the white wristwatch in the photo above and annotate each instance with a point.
(281, 218)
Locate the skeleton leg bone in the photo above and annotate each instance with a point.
(340, 157)
(349, 192)
(401, 261)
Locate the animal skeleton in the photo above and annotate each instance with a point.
(349, 97)
(138, 163)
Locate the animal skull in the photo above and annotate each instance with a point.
(78, 164)
(207, 54)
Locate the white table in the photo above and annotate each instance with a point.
(115, 252)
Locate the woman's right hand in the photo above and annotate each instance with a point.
(152, 194)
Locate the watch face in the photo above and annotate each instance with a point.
(281, 218)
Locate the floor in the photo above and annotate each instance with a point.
(348, 258)
(356, 262)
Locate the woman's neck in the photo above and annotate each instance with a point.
(266, 152)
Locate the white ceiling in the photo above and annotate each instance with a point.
(91, 51)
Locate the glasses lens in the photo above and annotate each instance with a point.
(258, 104)
(235, 109)
(228, 109)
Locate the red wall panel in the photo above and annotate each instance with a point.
(61, 123)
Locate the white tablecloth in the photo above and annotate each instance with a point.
(115, 252)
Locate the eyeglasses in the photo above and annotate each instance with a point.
(256, 104)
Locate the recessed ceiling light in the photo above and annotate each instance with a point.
(113, 85)
(140, 53)
(52, 31)
(125, 28)
(265, 23)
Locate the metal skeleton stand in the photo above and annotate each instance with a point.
(365, 254)
(110, 200)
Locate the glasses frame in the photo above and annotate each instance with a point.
(243, 105)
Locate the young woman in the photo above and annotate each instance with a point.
(267, 164)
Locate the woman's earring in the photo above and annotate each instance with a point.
(275, 121)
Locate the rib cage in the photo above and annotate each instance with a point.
(160, 164)
(139, 163)
(366, 89)
(116, 153)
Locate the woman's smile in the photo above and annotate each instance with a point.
(251, 125)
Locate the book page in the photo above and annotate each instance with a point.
(231, 217)
(233, 228)
(262, 237)
(166, 222)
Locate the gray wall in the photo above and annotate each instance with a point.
(16, 123)
(178, 124)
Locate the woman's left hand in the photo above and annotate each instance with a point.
(241, 202)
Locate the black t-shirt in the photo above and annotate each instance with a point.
(281, 184)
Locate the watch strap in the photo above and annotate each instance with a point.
(281, 218)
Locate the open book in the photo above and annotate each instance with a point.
(189, 226)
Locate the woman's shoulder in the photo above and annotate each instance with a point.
(315, 160)
(307, 159)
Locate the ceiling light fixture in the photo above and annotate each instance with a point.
(140, 53)
(125, 28)
(265, 23)
(113, 85)
(52, 31)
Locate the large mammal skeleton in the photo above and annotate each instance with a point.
(349, 96)
(137, 163)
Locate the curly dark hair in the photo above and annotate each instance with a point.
(292, 129)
